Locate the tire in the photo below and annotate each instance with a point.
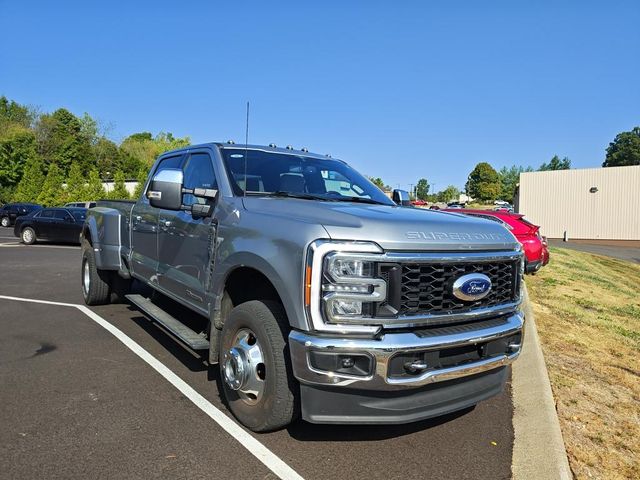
(5, 222)
(28, 236)
(276, 404)
(95, 282)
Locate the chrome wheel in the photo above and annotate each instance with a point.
(5, 222)
(244, 369)
(27, 236)
(86, 277)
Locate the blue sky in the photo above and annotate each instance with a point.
(401, 90)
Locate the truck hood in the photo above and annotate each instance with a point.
(391, 227)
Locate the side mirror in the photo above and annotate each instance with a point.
(401, 197)
(165, 190)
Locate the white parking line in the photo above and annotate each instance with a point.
(40, 245)
(258, 450)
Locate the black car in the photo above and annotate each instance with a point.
(11, 211)
(55, 224)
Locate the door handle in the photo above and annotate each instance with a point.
(167, 223)
(138, 217)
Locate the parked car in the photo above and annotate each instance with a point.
(418, 202)
(535, 246)
(11, 211)
(506, 207)
(318, 295)
(80, 204)
(54, 224)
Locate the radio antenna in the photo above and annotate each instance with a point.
(246, 150)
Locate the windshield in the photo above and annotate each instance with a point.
(298, 175)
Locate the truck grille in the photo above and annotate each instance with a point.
(426, 288)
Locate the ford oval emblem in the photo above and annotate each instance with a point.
(473, 286)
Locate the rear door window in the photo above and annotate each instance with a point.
(47, 213)
(62, 215)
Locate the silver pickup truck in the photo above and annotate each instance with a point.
(319, 296)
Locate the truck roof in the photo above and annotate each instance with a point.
(241, 146)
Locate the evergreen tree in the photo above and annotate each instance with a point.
(119, 191)
(52, 193)
(75, 184)
(556, 164)
(30, 184)
(94, 190)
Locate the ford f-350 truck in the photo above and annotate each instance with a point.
(320, 296)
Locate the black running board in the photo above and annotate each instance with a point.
(194, 340)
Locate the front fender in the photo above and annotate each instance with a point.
(279, 277)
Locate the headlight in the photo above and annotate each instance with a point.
(338, 267)
(340, 286)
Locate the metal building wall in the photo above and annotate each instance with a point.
(560, 201)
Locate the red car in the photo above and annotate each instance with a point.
(536, 250)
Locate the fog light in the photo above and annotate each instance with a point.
(346, 307)
(348, 362)
(357, 364)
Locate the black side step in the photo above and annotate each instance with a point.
(193, 339)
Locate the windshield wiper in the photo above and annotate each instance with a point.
(358, 200)
(305, 196)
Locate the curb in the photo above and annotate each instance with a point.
(538, 449)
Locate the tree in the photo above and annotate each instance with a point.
(624, 150)
(145, 148)
(16, 149)
(52, 193)
(30, 184)
(509, 178)
(448, 194)
(14, 114)
(75, 184)
(94, 190)
(107, 157)
(61, 140)
(556, 164)
(422, 189)
(119, 191)
(483, 183)
(141, 178)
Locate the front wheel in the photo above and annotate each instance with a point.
(5, 222)
(255, 368)
(28, 236)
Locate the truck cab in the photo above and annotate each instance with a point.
(322, 297)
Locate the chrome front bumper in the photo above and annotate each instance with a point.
(382, 350)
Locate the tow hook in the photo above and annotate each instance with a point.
(416, 366)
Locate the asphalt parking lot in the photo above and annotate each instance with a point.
(77, 401)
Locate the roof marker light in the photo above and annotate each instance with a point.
(272, 145)
(304, 149)
(289, 147)
(231, 142)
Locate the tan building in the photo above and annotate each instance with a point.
(584, 204)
